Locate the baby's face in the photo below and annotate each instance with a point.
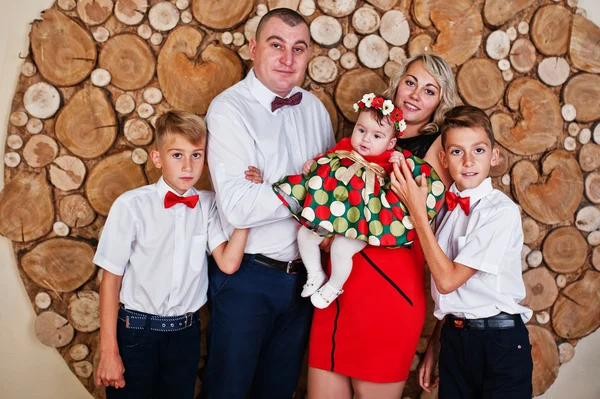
(369, 138)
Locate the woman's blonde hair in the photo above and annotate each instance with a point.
(442, 73)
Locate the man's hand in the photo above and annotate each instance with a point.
(427, 368)
(412, 194)
(110, 370)
(253, 174)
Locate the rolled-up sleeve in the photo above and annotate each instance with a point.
(215, 232)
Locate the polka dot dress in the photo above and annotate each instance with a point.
(323, 202)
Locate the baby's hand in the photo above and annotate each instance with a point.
(253, 174)
(306, 166)
(396, 157)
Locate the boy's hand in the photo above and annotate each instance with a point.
(306, 166)
(412, 194)
(253, 174)
(427, 368)
(396, 157)
(110, 371)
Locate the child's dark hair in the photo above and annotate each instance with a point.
(180, 123)
(466, 116)
(377, 115)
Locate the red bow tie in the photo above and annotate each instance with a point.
(171, 199)
(280, 102)
(452, 200)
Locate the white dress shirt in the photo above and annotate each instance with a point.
(489, 240)
(161, 253)
(242, 132)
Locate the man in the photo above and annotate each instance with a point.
(259, 323)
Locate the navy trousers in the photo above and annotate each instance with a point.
(485, 364)
(257, 333)
(158, 364)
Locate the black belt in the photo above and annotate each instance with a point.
(291, 267)
(137, 320)
(499, 321)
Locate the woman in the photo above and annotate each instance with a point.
(363, 344)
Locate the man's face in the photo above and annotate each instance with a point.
(281, 55)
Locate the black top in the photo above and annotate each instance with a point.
(418, 145)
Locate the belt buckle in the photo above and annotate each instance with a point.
(191, 318)
(289, 267)
(458, 323)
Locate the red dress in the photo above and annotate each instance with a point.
(372, 330)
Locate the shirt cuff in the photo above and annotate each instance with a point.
(108, 266)
(477, 264)
(215, 241)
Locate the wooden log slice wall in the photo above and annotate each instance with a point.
(99, 72)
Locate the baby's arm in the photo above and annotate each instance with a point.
(396, 157)
(253, 174)
(307, 165)
(110, 368)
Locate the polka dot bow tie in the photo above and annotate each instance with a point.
(171, 199)
(280, 101)
(452, 200)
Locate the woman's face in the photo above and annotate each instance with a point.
(418, 94)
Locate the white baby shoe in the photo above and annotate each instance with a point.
(313, 283)
(325, 296)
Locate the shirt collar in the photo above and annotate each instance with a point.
(163, 188)
(261, 93)
(477, 193)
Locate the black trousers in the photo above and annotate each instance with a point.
(489, 364)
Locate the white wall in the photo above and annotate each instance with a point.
(31, 370)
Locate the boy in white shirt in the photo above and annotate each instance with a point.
(153, 250)
(475, 264)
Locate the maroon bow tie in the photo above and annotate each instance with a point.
(171, 199)
(280, 102)
(452, 200)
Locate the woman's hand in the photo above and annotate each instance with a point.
(411, 193)
(253, 174)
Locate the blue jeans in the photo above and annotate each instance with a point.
(257, 333)
(157, 364)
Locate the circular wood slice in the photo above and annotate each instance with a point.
(187, 17)
(220, 15)
(326, 30)
(83, 369)
(584, 50)
(53, 330)
(152, 95)
(420, 44)
(87, 125)
(110, 178)
(41, 100)
(238, 39)
(189, 81)
(589, 157)
(351, 86)
(145, 110)
(420, 12)
(183, 4)
(350, 41)
(322, 69)
(139, 156)
(542, 317)
(18, 118)
(568, 112)
(138, 132)
(594, 238)
(100, 77)
(12, 159)
(480, 83)
(28, 69)
(67, 173)
(596, 258)
(588, 218)
(541, 289)
(307, 7)
(497, 45)
(244, 52)
(505, 161)
(523, 27)
(337, 8)
(334, 54)
(497, 12)
(592, 187)
(94, 12)
(163, 16)
(84, 311)
(365, 20)
(596, 132)
(26, 208)
(373, 52)
(394, 28)
(129, 60)
(566, 352)
(507, 75)
(227, 38)
(59, 264)
(76, 211)
(531, 231)
(144, 31)
(14, 141)
(541, 124)
(585, 136)
(131, 12)
(156, 39)
(79, 352)
(522, 55)
(576, 313)
(554, 71)
(583, 91)
(397, 54)
(291, 4)
(66, 4)
(573, 129)
(504, 65)
(250, 27)
(565, 250)
(460, 25)
(561, 281)
(40, 151)
(64, 52)
(43, 300)
(512, 33)
(125, 104)
(391, 68)
(548, 29)
(329, 106)
(535, 258)
(545, 358)
(348, 60)
(101, 34)
(555, 196)
(61, 229)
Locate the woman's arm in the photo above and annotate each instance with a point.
(433, 158)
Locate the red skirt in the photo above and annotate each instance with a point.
(372, 330)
